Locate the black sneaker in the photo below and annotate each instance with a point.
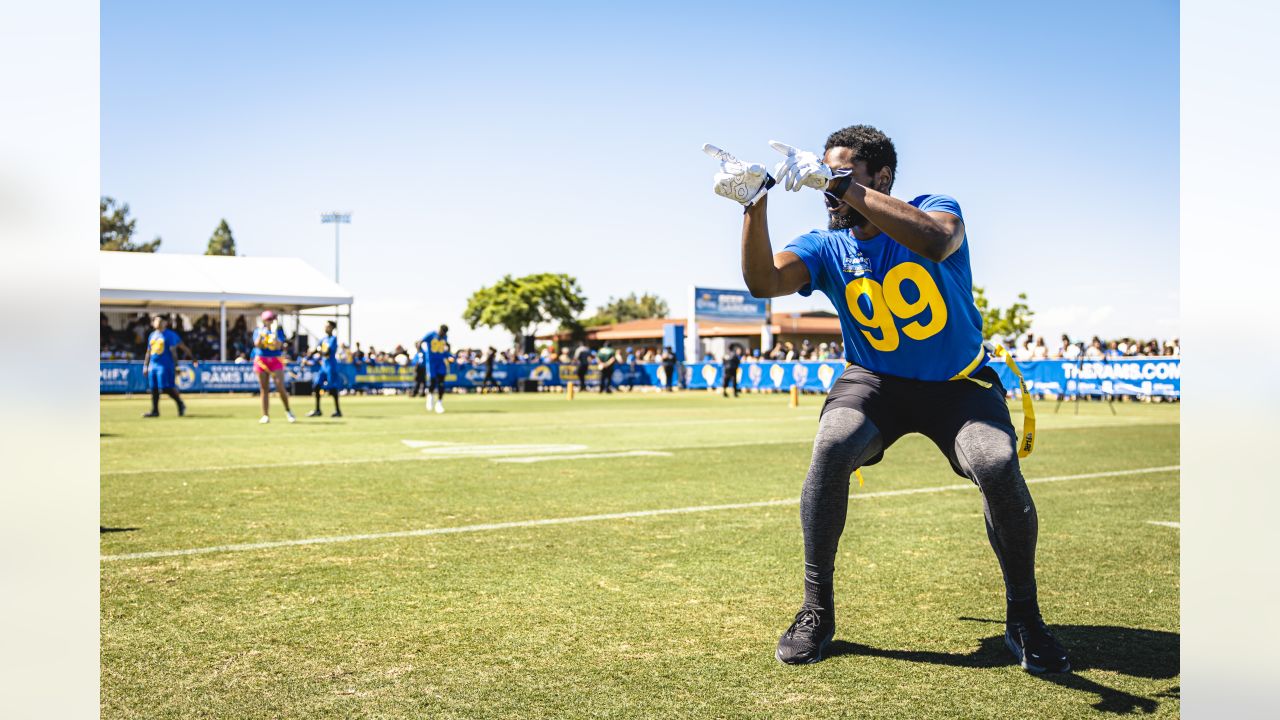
(1035, 648)
(336, 413)
(153, 413)
(314, 413)
(807, 638)
(182, 409)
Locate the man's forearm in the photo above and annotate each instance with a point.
(907, 225)
(758, 270)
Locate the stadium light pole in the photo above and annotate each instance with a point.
(338, 218)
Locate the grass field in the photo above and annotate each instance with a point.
(647, 615)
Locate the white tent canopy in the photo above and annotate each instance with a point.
(142, 281)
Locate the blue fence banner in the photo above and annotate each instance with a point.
(1148, 377)
(1143, 377)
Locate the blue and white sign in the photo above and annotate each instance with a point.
(728, 306)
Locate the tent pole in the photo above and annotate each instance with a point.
(222, 330)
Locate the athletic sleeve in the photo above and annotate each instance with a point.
(808, 248)
(939, 203)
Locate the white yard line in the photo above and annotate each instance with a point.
(437, 427)
(244, 547)
(453, 450)
(419, 457)
(582, 456)
(1166, 523)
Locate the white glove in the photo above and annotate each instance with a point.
(801, 168)
(742, 182)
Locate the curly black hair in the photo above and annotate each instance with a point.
(869, 144)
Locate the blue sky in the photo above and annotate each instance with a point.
(473, 141)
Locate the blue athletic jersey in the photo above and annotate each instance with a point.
(328, 350)
(437, 350)
(160, 345)
(900, 313)
(274, 342)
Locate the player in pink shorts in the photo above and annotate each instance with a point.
(268, 363)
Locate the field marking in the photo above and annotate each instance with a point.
(436, 427)
(413, 458)
(481, 428)
(419, 458)
(582, 456)
(437, 449)
(244, 547)
(1166, 523)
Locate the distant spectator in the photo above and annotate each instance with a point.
(607, 363)
(582, 359)
(1095, 350)
(1040, 351)
(732, 360)
(669, 367)
(1023, 353)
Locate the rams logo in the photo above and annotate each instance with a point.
(776, 374)
(826, 374)
(184, 377)
(709, 374)
(754, 373)
(799, 373)
(541, 373)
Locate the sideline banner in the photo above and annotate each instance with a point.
(1158, 377)
(1155, 377)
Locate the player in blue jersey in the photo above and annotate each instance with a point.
(328, 378)
(898, 275)
(436, 344)
(160, 366)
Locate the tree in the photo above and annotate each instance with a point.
(520, 304)
(628, 308)
(117, 228)
(1008, 322)
(221, 242)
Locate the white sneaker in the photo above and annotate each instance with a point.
(431, 403)
(264, 419)
(440, 407)
(289, 414)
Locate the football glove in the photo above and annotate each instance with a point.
(802, 168)
(742, 182)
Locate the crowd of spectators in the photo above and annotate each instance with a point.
(1033, 347)
(201, 336)
(129, 343)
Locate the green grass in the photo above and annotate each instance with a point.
(658, 616)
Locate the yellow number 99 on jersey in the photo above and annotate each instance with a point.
(889, 303)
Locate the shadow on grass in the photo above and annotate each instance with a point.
(1135, 652)
(105, 529)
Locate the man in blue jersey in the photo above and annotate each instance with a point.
(437, 346)
(159, 365)
(328, 378)
(898, 275)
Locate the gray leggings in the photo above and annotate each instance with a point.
(983, 451)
